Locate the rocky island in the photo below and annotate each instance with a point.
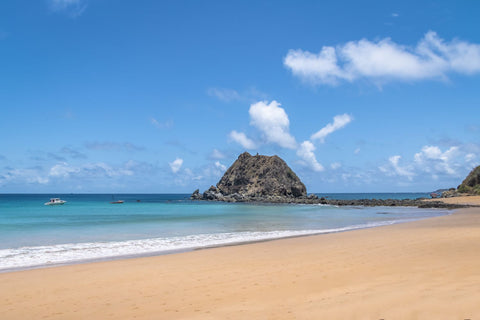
(256, 178)
(269, 179)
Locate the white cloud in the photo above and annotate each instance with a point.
(229, 95)
(220, 166)
(385, 60)
(99, 169)
(273, 122)
(394, 168)
(216, 154)
(470, 157)
(321, 68)
(226, 95)
(432, 162)
(242, 139)
(306, 152)
(62, 170)
(30, 176)
(432, 159)
(176, 165)
(335, 165)
(307, 148)
(339, 122)
(73, 8)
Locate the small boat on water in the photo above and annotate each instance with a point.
(55, 201)
(116, 201)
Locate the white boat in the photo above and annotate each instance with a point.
(55, 201)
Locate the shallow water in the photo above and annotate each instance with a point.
(89, 227)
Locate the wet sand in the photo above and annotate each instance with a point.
(427, 269)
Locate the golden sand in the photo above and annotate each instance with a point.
(470, 200)
(427, 269)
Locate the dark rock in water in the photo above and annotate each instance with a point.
(471, 184)
(259, 176)
(269, 179)
(256, 178)
(196, 195)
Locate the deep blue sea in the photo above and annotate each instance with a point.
(89, 228)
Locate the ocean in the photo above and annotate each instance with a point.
(89, 228)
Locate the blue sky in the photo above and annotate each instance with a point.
(162, 96)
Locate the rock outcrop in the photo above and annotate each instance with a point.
(256, 178)
(471, 184)
(259, 176)
(269, 179)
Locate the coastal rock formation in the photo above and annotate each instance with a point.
(256, 178)
(269, 179)
(471, 184)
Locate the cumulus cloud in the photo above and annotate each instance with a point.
(273, 122)
(432, 159)
(399, 170)
(339, 122)
(242, 139)
(176, 164)
(385, 60)
(307, 148)
(306, 153)
(432, 162)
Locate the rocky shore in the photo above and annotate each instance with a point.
(213, 194)
(268, 179)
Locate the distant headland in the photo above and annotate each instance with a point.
(269, 179)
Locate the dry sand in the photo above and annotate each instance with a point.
(427, 269)
(471, 200)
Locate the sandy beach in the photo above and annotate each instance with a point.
(427, 269)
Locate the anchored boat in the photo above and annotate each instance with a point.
(55, 201)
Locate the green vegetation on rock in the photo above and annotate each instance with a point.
(471, 184)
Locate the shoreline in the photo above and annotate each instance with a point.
(414, 270)
(214, 195)
(236, 240)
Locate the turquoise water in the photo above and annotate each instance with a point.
(88, 227)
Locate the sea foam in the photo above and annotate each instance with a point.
(41, 256)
